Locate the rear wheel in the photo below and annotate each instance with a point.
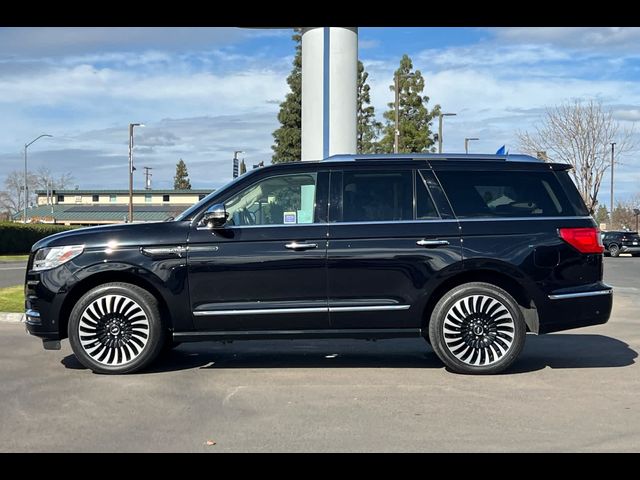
(477, 328)
(614, 250)
(116, 328)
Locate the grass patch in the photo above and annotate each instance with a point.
(13, 258)
(12, 299)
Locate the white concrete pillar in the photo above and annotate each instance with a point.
(329, 91)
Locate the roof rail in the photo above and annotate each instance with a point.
(431, 156)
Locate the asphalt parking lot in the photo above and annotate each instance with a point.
(571, 391)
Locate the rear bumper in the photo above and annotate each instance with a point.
(626, 249)
(565, 310)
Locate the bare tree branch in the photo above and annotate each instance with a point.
(579, 134)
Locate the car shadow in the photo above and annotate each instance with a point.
(553, 351)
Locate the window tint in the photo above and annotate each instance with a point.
(425, 209)
(374, 196)
(165, 198)
(506, 194)
(279, 200)
(95, 198)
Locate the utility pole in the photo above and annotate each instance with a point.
(236, 164)
(613, 146)
(396, 134)
(131, 168)
(440, 129)
(147, 177)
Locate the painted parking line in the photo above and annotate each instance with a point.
(13, 268)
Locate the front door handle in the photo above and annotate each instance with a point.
(300, 246)
(432, 243)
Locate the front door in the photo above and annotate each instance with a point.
(388, 246)
(266, 269)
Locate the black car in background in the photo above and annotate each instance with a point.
(469, 252)
(617, 242)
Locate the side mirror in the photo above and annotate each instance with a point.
(215, 217)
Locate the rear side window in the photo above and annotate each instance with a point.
(374, 196)
(508, 194)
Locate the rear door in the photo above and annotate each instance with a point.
(388, 242)
(510, 214)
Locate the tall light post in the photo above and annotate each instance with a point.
(26, 188)
(636, 212)
(131, 168)
(396, 83)
(440, 129)
(613, 146)
(466, 143)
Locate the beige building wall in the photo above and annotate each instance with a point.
(123, 199)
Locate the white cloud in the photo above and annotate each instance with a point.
(592, 38)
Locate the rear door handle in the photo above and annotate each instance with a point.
(300, 246)
(432, 243)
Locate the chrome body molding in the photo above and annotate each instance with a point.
(262, 311)
(563, 296)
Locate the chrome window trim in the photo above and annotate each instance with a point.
(262, 311)
(435, 220)
(563, 296)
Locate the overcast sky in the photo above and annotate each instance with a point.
(205, 92)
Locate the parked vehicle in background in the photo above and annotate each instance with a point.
(469, 252)
(617, 242)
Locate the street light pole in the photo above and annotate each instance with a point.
(440, 129)
(466, 143)
(613, 146)
(131, 168)
(26, 188)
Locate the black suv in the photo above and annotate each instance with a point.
(616, 243)
(470, 252)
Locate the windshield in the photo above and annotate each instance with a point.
(194, 208)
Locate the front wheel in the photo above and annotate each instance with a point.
(116, 328)
(477, 328)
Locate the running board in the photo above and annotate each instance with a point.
(199, 336)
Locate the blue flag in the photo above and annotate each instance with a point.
(501, 150)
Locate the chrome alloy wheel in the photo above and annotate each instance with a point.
(113, 330)
(478, 330)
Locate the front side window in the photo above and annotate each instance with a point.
(377, 196)
(278, 200)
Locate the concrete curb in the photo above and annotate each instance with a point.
(6, 317)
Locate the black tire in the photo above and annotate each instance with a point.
(485, 330)
(614, 250)
(116, 328)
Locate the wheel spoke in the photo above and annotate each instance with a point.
(113, 329)
(478, 330)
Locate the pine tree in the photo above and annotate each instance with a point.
(368, 127)
(181, 180)
(602, 215)
(415, 118)
(287, 138)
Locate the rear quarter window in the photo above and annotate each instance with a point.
(511, 194)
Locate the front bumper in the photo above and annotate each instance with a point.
(565, 310)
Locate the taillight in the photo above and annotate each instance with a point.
(585, 240)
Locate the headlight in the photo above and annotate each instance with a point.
(47, 258)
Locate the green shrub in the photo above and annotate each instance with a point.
(16, 238)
